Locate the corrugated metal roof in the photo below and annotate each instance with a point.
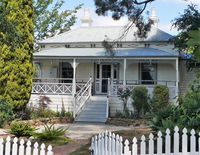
(98, 34)
(100, 52)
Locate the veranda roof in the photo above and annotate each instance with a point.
(100, 52)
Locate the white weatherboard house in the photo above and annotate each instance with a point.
(75, 71)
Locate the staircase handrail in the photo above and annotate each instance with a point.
(82, 97)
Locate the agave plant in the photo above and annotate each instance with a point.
(51, 133)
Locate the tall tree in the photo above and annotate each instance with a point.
(132, 8)
(188, 21)
(50, 20)
(16, 48)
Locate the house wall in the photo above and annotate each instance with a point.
(49, 68)
(85, 71)
(166, 72)
(56, 102)
(185, 77)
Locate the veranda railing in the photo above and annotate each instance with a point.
(56, 86)
(20, 147)
(170, 143)
(117, 86)
(82, 97)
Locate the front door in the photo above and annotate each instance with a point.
(103, 73)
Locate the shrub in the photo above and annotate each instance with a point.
(51, 133)
(6, 112)
(21, 129)
(124, 95)
(166, 117)
(160, 97)
(140, 100)
(187, 114)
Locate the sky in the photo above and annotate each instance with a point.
(166, 10)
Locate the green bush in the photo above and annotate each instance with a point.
(166, 117)
(21, 129)
(140, 100)
(187, 114)
(51, 133)
(160, 97)
(6, 112)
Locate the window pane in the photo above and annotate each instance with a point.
(148, 73)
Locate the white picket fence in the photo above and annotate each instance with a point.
(16, 147)
(176, 143)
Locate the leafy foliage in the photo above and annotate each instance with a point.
(50, 133)
(188, 21)
(6, 112)
(130, 8)
(187, 114)
(50, 20)
(140, 100)
(16, 48)
(124, 96)
(194, 42)
(160, 97)
(21, 129)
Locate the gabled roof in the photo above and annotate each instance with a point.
(98, 34)
(100, 52)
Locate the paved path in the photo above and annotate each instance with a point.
(87, 130)
(81, 134)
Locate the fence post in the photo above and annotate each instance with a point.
(7, 149)
(14, 146)
(117, 145)
(151, 144)
(176, 140)
(113, 143)
(143, 146)
(159, 143)
(126, 148)
(109, 143)
(35, 150)
(167, 142)
(192, 142)
(134, 146)
(106, 143)
(21, 147)
(42, 149)
(49, 152)
(102, 144)
(1, 146)
(28, 148)
(184, 141)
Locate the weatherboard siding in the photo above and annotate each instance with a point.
(56, 102)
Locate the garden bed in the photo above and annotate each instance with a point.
(127, 122)
(52, 120)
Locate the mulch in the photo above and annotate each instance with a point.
(70, 147)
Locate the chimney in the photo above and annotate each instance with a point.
(86, 19)
(154, 17)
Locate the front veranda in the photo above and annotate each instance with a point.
(64, 76)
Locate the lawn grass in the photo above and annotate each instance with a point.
(83, 150)
(126, 134)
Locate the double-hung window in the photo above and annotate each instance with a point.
(148, 73)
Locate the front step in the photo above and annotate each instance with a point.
(94, 111)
